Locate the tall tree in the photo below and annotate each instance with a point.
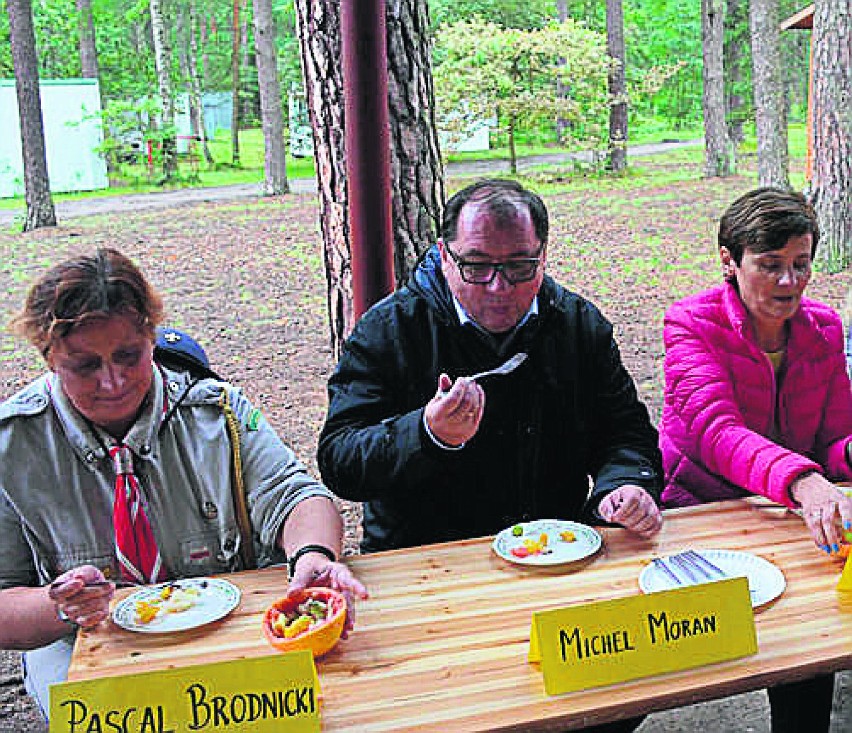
(416, 175)
(770, 107)
(235, 81)
(274, 161)
(617, 148)
(88, 47)
(832, 123)
(40, 211)
(718, 151)
(163, 60)
(562, 87)
(196, 103)
(320, 45)
(735, 61)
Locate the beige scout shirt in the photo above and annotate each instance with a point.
(57, 481)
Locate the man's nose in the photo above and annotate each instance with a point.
(499, 282)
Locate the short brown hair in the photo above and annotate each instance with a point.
(764, 220)
(103, 284)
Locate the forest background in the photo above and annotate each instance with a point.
(663, 69)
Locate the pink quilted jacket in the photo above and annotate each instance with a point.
(721, 395)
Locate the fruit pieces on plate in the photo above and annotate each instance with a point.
(540, 546)
(310, 619)
(172, 598)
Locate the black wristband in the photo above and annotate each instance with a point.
(304, 550)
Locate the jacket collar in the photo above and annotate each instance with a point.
(805, 332)
(89, 442)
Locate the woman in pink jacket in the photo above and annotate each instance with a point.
(757, 398)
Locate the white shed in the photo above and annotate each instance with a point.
(72, 130)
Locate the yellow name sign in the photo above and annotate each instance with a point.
(276, 693)
(612, 641)
(845, 582)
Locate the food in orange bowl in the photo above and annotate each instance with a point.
(310, 619)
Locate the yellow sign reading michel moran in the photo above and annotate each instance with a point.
(612, 641)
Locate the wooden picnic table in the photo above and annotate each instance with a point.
(441, 644)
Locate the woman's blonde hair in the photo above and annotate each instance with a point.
(72, 292)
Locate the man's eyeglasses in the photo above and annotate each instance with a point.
(519, 270)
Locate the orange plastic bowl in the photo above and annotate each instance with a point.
(319, 639)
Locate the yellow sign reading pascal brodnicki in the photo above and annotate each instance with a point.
(611, 641)
(275, 693)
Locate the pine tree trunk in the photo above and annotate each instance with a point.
(196, 100)
(617, 149)
(40, 211)
(320, 44)
(832, 122)
(275, 165)
(718, 151)
(89, 61)
(513, 153)
(163, 61)
(416, 176)
(235, 83)
(736, 41)
(88, 49)
(770, 107)
(562, 88)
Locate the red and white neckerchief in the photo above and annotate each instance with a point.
(135, 545)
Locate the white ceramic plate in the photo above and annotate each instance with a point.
(557, 551)
(765, 581)
(209, 599)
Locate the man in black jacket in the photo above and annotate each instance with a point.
(436, 456)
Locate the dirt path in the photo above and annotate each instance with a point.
(75, 208)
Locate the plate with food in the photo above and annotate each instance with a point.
(545, 542)
(176, 606)
(765, 581)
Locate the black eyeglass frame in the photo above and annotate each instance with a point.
(497, 267)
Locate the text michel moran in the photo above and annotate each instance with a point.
(661, 629)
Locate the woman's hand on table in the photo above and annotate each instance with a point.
(314, 569)
(825, 509)
(633, 508)
(82, 595)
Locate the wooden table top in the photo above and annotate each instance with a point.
(441, 644)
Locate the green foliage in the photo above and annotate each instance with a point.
(485, 69)
(6, 69)
(665, 34)
(505, 13)
(57, 41)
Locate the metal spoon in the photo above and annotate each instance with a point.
(508, 366)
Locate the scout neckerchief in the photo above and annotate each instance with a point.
(135, 545)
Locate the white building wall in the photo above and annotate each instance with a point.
(72, 130)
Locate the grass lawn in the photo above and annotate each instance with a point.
(140, 178)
